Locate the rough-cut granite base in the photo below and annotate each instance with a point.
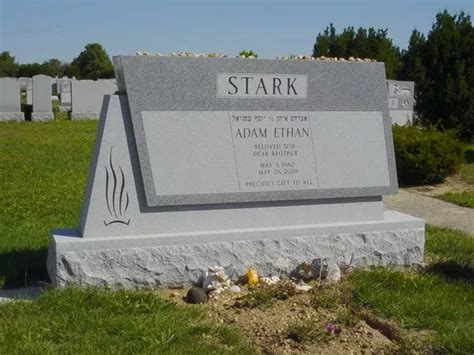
(85, 115)
(12, 116)
(64, 108)
(42, 116)
(177, 260)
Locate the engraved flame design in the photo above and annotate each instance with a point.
(116, 197)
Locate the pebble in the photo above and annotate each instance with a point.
(234, 289)
(196, 295)
(303, 287)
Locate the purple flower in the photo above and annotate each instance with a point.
(331, 327)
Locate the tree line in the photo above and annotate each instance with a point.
(92, 63)
(441, 64)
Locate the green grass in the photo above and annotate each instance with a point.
(465, 198)
(467, 173)
(43, 168)
(439, 299)
(74, 321)
(448, 245)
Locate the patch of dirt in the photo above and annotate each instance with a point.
(269, 327)
(452, 183)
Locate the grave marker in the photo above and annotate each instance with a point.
(42, 107)
(65, 89)
(29, 92)
(401, 97)
(235, 162)
(87, 97)
(10, 100)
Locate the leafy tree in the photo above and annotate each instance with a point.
(29, 70)
(413, 67)
(442, 67)
(8, 66)
(93, 63)
(248, 54)
(71, 71)
(363, 43)
(53, 67)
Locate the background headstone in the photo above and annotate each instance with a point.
(42, 107)
(54, 85)
(60, 81)
(87, 97)
(65, 92)
(10, 100)
(401, 97)
(29, 92)
(24, 82)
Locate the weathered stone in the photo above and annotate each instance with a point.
(196, 295)
(234, 289)
(122, 262)
(42, 116)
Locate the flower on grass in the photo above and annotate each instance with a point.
(331, 327)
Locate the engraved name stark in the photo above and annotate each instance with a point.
(262, 86)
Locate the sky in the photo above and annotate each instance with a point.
(37, 30)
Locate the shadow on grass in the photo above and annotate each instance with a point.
(453, 270)
(27, 109)
(23, 267)
(469, 156)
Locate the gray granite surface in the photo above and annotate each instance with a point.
(10, 100)
(182, 260)
(42, 93)
(157, 84)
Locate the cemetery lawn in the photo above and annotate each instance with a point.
(43, 168)
(466, 173)
(90, 321)
(439, 299)
(465, 198)
(464, 194)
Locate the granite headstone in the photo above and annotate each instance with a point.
(42, 107)
(24, 82)
(10, 100)
(401, 97)
(236, 162)
(65, 89)
(87, 97)
(29, 92)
